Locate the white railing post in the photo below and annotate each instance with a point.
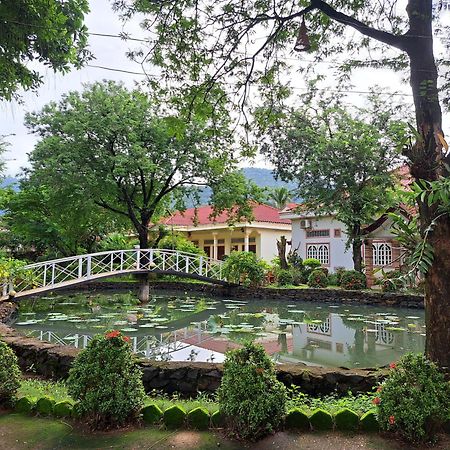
(200, 268)
(163, 260)
(112, 262)
(80, 267)
(53, 275)
(177, 262)
(121, 260)
(45, 276)
(151, 258)
(138, 259)
(89, 266)
(187, 264)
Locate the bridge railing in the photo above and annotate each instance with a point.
(69, 270)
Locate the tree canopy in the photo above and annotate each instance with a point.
(343, 161)
(124, 152)
(51, 33)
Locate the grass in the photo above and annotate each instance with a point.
(360, 403)
(34, 388)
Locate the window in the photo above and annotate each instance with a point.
(317, 233)
(337, 232)
(382, 254)
(320, 252)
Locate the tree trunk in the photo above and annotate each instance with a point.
(281, 246)
(426, 162)
(357, 254)
(144, 284)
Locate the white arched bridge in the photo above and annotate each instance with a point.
(80, 269)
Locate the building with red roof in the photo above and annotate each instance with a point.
(218, 238)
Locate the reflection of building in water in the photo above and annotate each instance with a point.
(340, 342)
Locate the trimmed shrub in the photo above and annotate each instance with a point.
(414, 399)
(284, 277)
(45, 406)
(9, 374)
(333, 280)
(25, 405)
(174, 416)
(353, 280)
(244, 268)
(321, 420)
(369, 421)
(198, 418)
(63, 409)
(346, 420)
(297, 419)
(151, 414)
(107, 382)
(250, 396)
(217, 419)
(318, 279)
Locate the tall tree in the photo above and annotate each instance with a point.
(48, 32)
(204, 40)
(343, 162)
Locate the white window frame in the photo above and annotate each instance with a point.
(320, 252)
(382, 254)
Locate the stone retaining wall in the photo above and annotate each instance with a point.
(187, 378)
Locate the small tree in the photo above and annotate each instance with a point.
(9, 373)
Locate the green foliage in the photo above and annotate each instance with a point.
(318, 279)
(106, 382)
(63, 409)
(346, 420)
(279, 197)
(307, 266)
(45, 406)
(14, 271)
(369, 422)
(321, 420)
(151, 413)
(353, 280)
(117, 241)
(179, 242)
(25, 405)
(284, 277)
(414, 399)
(9, 374)
(52, 33)
(217, 419)
(198, 418)
(391, 281)
(250, 396)
(297, 419)
(244, 268)
(174, 416)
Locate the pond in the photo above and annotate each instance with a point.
(179, 327)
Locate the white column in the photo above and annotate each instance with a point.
(246, 240)
(214, 254)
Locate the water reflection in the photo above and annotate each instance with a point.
(181, 328)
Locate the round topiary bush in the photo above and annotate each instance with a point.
(63, 409)
(346, 420)
(369, 421)
(198, 418)
(353, 280)
(107, 382)
(151, 413)
(45, 406)
(318, 279)
(244, 268)
(297, 419)
(250, 396)
(174, 417)
(321, 420)
(284, 277)
(217, 419)
(9, 374)
(414, 399)
(25, 405)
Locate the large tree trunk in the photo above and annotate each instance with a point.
(281, 247)
(144, 283)
(357, 254)
(426, 160)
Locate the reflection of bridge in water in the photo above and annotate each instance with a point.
(74, 270)
(161, 347)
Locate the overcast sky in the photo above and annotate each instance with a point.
(110, 52)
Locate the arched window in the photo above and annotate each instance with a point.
(320, 252)
(382, 254)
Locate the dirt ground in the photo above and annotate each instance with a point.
(19, 432)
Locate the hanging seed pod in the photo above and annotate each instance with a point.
(302, 44)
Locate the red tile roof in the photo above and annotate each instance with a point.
(261, 213)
